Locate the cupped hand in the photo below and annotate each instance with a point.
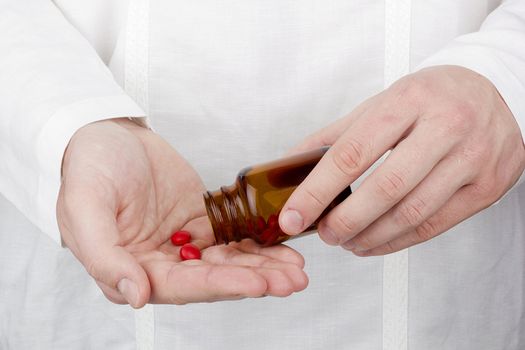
(455, 149)
(124, 192)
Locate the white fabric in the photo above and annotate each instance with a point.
(136, 86)
(51, 83)
(395, 266)
(232, 83)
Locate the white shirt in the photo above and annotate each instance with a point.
(233, 83)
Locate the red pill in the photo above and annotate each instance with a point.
(269, 236)
(273, 222)
(180, 238)
(266, 235)
(261, 224)
(189, 251)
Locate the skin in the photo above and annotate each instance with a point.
(455, 149)
(124, 192)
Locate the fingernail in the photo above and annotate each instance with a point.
(329, 236)
(129, 291)
(292, 222)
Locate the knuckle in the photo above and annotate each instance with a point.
(472, 156)
(349, 157)
(486, 192)
(411, 88)
(346, 224)
(411, 213)
(314, 197)
(390, 186)
(461, 118)
(390, 119)
(389, 248)
(365, 242)
(425, 231)
(176, 300)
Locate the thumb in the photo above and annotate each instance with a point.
(92, 233)
(119, 275)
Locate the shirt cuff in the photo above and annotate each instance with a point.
(53, 140)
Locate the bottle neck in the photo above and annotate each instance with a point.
(226, 214)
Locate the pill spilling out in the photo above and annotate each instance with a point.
(180, 238)
(190, 251)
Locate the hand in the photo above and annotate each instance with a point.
(124, 191)
(455, 149)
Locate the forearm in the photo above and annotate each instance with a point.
(52, 82)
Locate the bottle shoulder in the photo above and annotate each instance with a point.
(283, 164)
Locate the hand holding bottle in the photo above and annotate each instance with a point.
(124, 192)
(456, 149)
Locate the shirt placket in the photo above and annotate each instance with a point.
(395, 266)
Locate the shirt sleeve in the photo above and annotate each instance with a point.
(496, 51)
(52, 82)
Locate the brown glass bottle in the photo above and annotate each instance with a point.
(250, 207)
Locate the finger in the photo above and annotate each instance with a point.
(463, 204)
(328, 135)
(406, 166)
(296, 279)
(354, 152)
(96, 235)
(281, 283)
(111, 294)
(420, 204)
(118, 269)
(196, 281)
(278, 252)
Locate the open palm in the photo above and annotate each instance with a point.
(124, 191)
